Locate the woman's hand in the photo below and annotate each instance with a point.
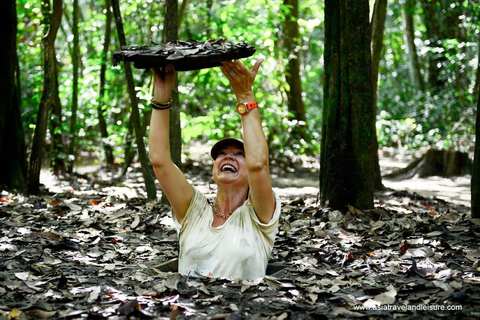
(241, 78)
(163, 81)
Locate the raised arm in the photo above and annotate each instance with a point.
(173, 182)
(256, 147)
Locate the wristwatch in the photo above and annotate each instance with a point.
(244, 108)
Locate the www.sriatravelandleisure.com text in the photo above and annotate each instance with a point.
(410, 307)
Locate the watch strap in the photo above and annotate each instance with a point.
(245, 107)
(251, 105)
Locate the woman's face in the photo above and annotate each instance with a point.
(231, 166)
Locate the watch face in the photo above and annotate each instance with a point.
(241, 108)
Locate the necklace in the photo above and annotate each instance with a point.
(215, 210)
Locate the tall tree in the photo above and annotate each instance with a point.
(181, 13)
(475, 183)
(139, 133)
(292, 47)
(75, 65)
(101, 109)
(58, 148)
(477, 73)
(434, 35)
(454, 29)
(346, 161)
(378, 27)
(51, 22)
(171, 34)
(415, 69)
(12, 141)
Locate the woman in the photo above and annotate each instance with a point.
(231, 236)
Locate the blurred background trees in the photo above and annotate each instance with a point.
(426, 88)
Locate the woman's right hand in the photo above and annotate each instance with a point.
(163, 81)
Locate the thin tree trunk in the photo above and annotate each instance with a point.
(171, 34)
(415, 69)
(454, 28)
(171, 27)
(475, 183)
(292, 47)
(50, 93)
(75, 65)
(431, 17)
(12, 141)
(181, 14)
(58, 148)
(378, 27)
(477, 74)
(346, 161)
(129, 151)
(139, 134)
(101, 109)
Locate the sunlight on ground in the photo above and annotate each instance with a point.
(455, 190)
(307, 192)
(125, 190)
(291, 185)
(452, 190)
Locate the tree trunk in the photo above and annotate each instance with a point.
(432, 14)
(477, 74)
(129, 150)
(454, 28)
(51, 24)
(59, 151)
(378, 27)
(347, 153)
(475, 183)
(139, 134)
(292, 47)
(181, 13)
(75, 65)
(415, 69)
(171, 29)
(58, 148)
(101, 109)
(12, 141)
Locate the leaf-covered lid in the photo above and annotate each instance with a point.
(183, 55)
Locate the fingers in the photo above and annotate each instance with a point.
(256, 66)
(163, 72)
(229, 71)
(164, 81)
(236, 67)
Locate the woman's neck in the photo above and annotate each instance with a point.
(229, 199)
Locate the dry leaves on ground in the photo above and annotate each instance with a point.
(89, 253)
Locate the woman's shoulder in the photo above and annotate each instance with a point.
(199, 198)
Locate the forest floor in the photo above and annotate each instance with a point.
(92, 247)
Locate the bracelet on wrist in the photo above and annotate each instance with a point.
(161, 105)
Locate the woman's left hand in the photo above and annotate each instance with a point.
(241, 78)
(164, 81)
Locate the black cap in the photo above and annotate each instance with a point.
(223, 143)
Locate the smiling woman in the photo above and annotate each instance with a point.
(232, 236)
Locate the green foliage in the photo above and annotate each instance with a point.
(406, 116)
(438, 117)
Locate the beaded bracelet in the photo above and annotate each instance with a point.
(161, 105)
